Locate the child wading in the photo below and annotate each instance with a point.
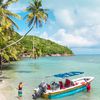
(20, 90)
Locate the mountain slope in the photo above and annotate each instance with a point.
(44, 47)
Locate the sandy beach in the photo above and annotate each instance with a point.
(8, 92)
(5, 91)
(2, 85)
(2, 97)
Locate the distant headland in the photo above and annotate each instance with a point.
(36, 46)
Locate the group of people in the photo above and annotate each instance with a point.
(60, 85)
(43, 86)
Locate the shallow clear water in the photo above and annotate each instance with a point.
(31, 72)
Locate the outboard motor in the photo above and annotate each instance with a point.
(39, 91)
(34, 96)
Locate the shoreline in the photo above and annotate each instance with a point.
(50, 55)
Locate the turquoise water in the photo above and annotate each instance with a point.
(31, 72)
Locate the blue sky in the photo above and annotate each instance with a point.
(72, 23)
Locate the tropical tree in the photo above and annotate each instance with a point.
(6, 23)
(6, 27)
(37, 15)
(5, 14)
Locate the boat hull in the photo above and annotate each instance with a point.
(67, 91)
(64, 93)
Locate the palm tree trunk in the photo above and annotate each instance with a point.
(0, 63)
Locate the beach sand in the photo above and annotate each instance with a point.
(2, 97)
(5, 91)
(2, 85)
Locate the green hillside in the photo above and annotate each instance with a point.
(43, 47)
(30, 45)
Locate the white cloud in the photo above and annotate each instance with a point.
(72, 40)
(17, 9)
(80, 22)
(89, 16)
(44, 35)
(97, 31)
(18, 6)
(64, 17)
(80, 37)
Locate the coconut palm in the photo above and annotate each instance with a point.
(37, 15)
(5, 14)
(6, 24)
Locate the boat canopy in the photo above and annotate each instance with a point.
(64, 75)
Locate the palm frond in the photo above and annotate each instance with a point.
(31, 21)
(9, 13)
(36, 14)
(13, 22)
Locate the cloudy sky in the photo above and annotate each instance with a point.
(72, 23)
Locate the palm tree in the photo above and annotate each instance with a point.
(5, 14)
(37, 15)
(6, 23)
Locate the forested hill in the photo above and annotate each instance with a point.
(42, 47)
(30, 46)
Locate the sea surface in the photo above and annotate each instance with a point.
(31, 72)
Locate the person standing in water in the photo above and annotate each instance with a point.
(88, 87)
(20, 86)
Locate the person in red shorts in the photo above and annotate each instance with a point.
(88, 87)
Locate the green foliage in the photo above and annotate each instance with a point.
(37, 14)
(44, 47)
(36, 17)
(12, 52)
(7, 32)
